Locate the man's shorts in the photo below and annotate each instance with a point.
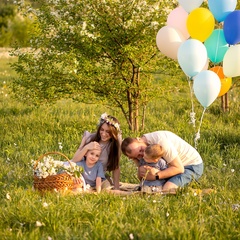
(191, 172)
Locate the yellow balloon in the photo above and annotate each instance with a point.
(200, 24)
(226, 83)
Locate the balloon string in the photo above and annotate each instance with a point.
(217, 47)
(197, 136)
(192, 114)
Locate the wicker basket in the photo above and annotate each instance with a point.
(62, 181)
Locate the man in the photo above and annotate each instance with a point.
(184, 162)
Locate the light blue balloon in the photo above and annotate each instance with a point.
(221, 8)
(206, 87)
(189, 5)
(192, 57)
(216, 46)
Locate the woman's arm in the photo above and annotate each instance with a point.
(80, 153)
(116, 177)
(98, 184)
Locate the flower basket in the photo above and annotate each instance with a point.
(62, 180)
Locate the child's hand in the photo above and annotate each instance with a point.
(77, 183)
(151, 170)
(98, 189)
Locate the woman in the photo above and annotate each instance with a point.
(108, 140)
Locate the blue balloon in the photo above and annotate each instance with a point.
(206, 87)
(221, 8)
(192, 57)
(216, 46)
(231, 27)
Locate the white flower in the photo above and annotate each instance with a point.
(8, 196)
(45, 204)
(60, 146)
(39, 224)
(167, 214)
(104, 117)
(131, 236)
(232, 170)
(49, 167)
(235, 207)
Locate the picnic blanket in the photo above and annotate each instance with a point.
(136, 188)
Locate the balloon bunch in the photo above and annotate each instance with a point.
(190, 38)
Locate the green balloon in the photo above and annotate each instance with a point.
(216, 46)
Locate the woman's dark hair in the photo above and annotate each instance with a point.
(114, 153)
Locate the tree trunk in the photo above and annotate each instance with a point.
(225, 102)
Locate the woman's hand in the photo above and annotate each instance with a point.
(93, 145)
(82, 151)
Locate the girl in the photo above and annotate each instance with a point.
(93, 170)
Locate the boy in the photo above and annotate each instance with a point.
(152, 157)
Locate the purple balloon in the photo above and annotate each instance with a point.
(231, 28)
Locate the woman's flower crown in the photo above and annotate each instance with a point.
(104, 117)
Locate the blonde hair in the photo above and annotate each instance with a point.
(154, 151)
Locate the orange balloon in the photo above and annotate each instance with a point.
(226, 83)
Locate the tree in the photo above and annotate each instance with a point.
(13, 28)
(101, 51)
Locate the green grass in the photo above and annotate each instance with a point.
(28, 132)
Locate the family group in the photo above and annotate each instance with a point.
(164, 160)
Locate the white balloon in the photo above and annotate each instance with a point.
(206, 87)
(231, 61)
(190, 5)
(168, 41)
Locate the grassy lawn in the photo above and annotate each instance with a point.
(28, 132)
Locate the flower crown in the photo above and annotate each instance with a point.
(104, 117)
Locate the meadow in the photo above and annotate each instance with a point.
(28, 132)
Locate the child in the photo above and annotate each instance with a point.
(152, 157)
(93, 173)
